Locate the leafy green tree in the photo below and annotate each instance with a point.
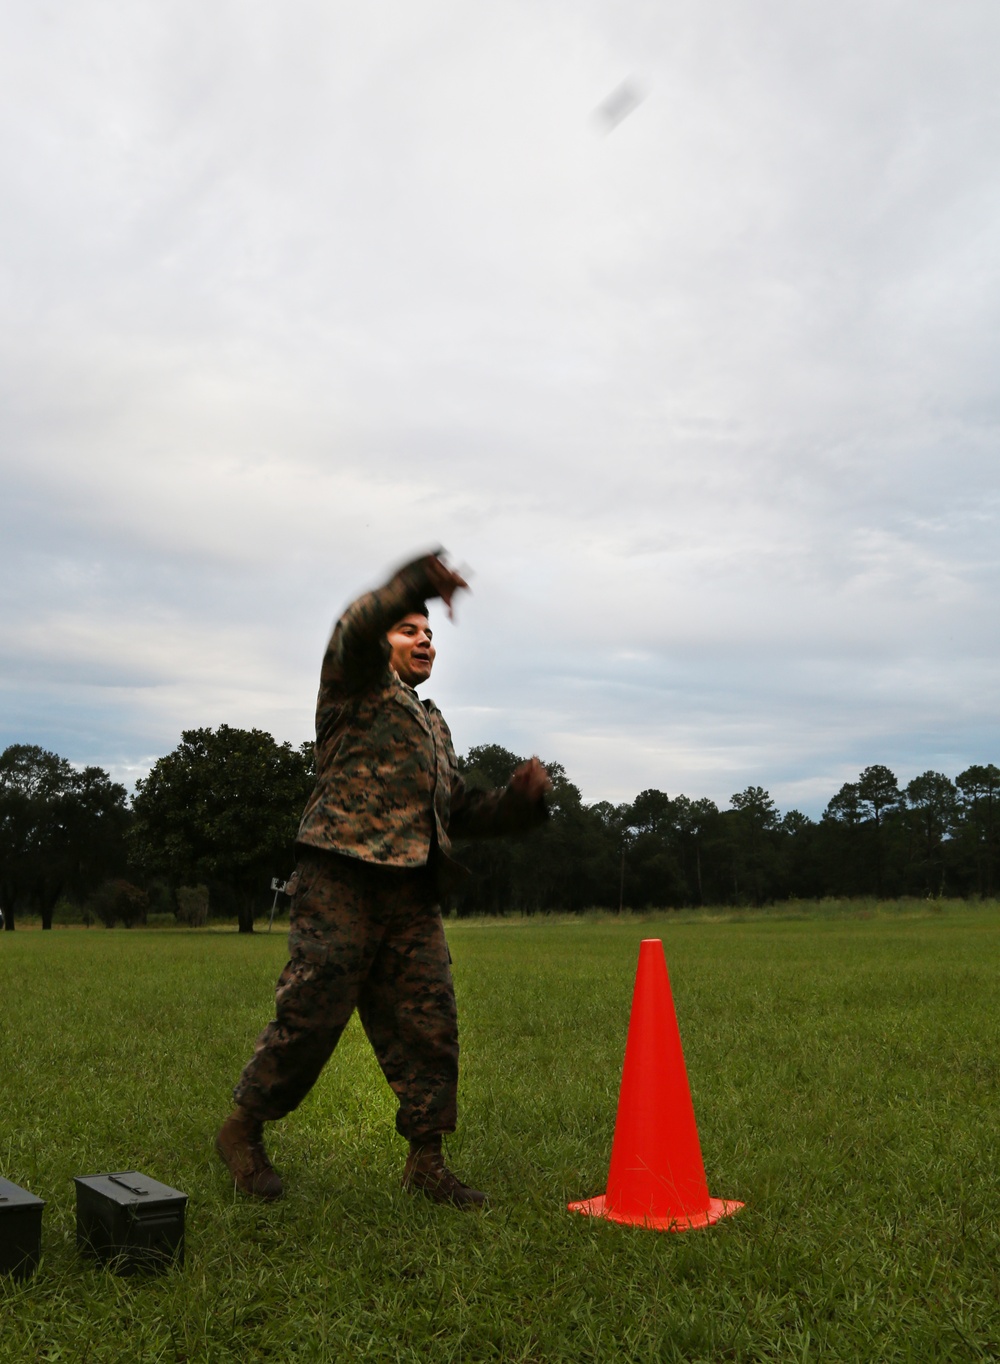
(842, 843)
(878, 792)
(192, 905)
(980, 825)
(878, 797)
(32, 782)
(795, 823)
(698, 827)
(493, 887)
(669, 847)
(96, 822)
(589, 855)
(654, 875)
(801, 870)
(617, 829)
(61, 830)
(119, 901)
(222, 810)
(653, 813)
(933, 811)
(547, 869)
(845, 806)
(487, 766)
(559, 864)
(753, 823)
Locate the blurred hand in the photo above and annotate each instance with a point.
(444, 582)
(531, 780)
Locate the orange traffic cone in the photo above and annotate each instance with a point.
(657, 1177)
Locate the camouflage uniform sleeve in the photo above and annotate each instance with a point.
(358, 650)
(491, 814)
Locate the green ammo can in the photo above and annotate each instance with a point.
(20, 1230)
(129, 1222)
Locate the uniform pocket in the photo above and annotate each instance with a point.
(304, 877)
(303, 947)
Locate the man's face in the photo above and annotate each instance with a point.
(412, 653)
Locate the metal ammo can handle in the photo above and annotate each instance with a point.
(132, 1188)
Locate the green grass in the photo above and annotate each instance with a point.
(844, 1066)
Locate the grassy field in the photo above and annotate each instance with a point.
(844, 1068)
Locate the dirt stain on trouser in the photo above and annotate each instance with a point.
(366, 937)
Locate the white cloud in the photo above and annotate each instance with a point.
(709, 402)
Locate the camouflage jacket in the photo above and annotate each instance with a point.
(388, 789)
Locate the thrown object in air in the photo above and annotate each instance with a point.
(20, 1230)
(623, 100)
(129, 1222)
(657, 1176)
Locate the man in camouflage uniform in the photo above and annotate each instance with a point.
(375, 853)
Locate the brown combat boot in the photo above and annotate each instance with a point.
(240, 1143)
(426, 1173)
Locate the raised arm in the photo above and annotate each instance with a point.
(358, 650)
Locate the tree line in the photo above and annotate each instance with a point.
(215, 821)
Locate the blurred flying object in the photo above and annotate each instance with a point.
(622, 101)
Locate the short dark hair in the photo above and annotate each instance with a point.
(415, 608)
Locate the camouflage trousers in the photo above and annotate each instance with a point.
(366, 937)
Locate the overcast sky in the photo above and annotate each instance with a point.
(677, 322)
